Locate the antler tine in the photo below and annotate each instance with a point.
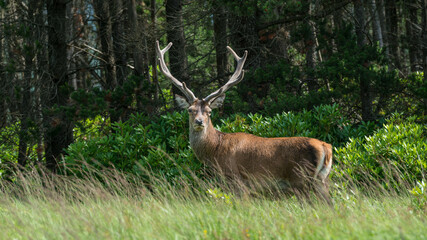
(235, 78)
(181, 86)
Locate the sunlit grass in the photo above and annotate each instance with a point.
(42, 206)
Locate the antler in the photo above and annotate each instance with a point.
(235, 78)
(181, 86)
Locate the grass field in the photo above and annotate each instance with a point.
(59, 207)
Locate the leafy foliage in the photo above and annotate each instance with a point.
(133, 146)
(9, 147)
(419, 193)
(322, 122)
(396, 151)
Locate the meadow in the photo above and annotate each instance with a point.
(111, 205)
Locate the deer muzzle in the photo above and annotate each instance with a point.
(198, 124)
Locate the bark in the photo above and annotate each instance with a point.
(8, 104)
(376, 25)
(136, 50)
(151, 37)
(424, 47)
(220, 31)
(2, 77)
(26, 96)
(411, 23)
(102, 15)
(59, 132)
(338, 24)
(153, 58)
(41, 69)
(119, 45)
(360, 22)
(365, 95)
(70, 30)
(383, 24)
(392, 33)
(175, 34)
(311, 46)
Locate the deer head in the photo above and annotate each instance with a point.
(200, 109)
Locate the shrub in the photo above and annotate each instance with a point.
(323, 122)
(160, 146)
(393, 154)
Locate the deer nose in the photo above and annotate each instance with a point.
(198, 121)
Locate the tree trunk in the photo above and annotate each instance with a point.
(360, 22)
(383, 24)
(153, 58)
(136, 49)
(392, 33)
(26, 114)
(3, 78)
(119, 45)
(41, 68)
(424, 47)
(175, 34)
(8, 104)
(411, 23)
(152, 37)
(365, 95)
(311, 46)
(220, 31)
(70, 31)
(102, 15)
(376, 25)
(59, 128)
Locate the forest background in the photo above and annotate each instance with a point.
(79, 82)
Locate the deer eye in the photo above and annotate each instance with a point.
(190, 110)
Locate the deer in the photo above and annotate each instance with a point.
(296, 161)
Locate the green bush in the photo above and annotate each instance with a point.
(323, 122)
(160, 146)
(9, 147)
(397, 152)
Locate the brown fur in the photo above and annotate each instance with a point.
(291, 159)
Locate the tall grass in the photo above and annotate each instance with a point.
(110, 205)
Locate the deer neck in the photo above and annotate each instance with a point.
(205, 142)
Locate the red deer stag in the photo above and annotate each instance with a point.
(244, 155)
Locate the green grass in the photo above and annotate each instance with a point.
(40, 206)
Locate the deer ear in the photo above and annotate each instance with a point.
(182, 102)
(217, 102)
